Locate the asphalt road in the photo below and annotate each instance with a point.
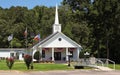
(75, 72)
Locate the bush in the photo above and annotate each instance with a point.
(37, 56)
(10, 62)
(28, 60)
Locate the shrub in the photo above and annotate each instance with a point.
(28, 60)
(37, 56)
(10, 62)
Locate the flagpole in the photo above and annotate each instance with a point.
(26, 39)
(39, 37)
(10, 43)
(11, 49)
(26, 45)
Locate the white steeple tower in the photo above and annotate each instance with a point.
(56, 16)
(56, 25)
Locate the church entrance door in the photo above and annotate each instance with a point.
(57, 55)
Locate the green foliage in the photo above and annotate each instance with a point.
(15, 43)
(37, 66)
(28, 60)
(103, 26)
(95, 26)
(37, 55)
(10, 62)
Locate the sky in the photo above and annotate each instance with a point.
(28, 3)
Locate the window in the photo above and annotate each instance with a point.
(23, 55)
(43, 53)
(59, 39)
(17, 55)
(12, 54)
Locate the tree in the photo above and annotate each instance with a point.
(102, 19)
(95, 24)
(37, 56)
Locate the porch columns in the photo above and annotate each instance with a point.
(66, 54)
(78, 51)
(52, 54)
(41, 53)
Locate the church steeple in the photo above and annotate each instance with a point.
(56, 25)
(56, 16)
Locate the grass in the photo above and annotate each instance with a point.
(20, 65)
(51, 67)
(117, 66)
(37, 66)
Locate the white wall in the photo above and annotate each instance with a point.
(5, 54)
(74, 55)
(21, 55)
(59, 44)
(63, 54)
(48, 54)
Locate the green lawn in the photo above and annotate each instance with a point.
(37, 66)
(20, 65)
(117, 66)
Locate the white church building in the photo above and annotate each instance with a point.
(18, 53)
(57, 46)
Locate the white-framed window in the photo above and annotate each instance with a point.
(43, 53)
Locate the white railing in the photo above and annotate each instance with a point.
(108, 60)
(99, 62)
(96, 62)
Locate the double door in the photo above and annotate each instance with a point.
(57, 55)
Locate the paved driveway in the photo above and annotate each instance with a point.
(75, 72)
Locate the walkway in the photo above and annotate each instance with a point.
(74, 72)
(104, 68)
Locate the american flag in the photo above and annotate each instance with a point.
(37, 37)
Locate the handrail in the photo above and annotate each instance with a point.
(100, 62)
(108, 60)
(86, 61)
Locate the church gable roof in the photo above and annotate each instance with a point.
(47, 38)
(54, 40)
(69, 39)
